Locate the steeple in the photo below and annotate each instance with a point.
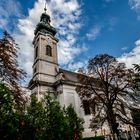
(45, 56)
(44, 24)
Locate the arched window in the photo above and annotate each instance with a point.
(48, 50)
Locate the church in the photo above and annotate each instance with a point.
(49, 77)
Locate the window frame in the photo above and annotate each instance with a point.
(48, 50)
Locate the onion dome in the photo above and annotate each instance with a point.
(44, 25)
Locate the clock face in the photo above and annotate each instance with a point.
(48, 41)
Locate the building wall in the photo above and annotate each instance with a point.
(69, 96)
(45, 66)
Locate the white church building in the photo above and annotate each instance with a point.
(48, 76)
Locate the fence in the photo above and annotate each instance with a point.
(130, 135)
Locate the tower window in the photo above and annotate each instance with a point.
(34, 70)
(36, 52)
(48, 50)
(86, 107)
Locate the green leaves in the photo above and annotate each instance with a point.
(40, 121)
(8, 114)
(74, 122)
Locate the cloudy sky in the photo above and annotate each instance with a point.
(85, 28)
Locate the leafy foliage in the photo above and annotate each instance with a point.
(105, 85)
(74, 122)
(8, 116)
(56, 125)
(42, 120)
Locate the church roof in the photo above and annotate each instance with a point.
(73, 78)
(69, 75)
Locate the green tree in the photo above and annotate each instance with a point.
(105, 84)
(74, 122)
(11, 95)
(48, 120)
(34, 121)
(8, 116)
(56, 125)
(42, 120)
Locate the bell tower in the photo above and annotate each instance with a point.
(45, 64)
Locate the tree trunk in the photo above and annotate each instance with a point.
(112, 123)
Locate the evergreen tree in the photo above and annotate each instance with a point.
(48, 120)
(56, 125)
(8, 115)
(74, 122)
(10, 73)
(42, 120)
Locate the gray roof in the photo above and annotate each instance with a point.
(69, 75)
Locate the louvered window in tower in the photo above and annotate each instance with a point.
(48, 50)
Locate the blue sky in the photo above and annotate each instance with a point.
(85, 28)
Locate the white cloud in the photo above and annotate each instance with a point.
(132, 57)
(134, 4)
(94, 32)
(65, 17)
(76, 66)
(9, 9)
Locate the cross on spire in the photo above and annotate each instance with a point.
(45, 9)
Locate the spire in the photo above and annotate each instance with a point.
(45, 17)
(44, 24)
(45, 9)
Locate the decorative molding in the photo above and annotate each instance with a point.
(34, 83)
(42, 74)
(37, 59)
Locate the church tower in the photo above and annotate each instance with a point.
(45, 64)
